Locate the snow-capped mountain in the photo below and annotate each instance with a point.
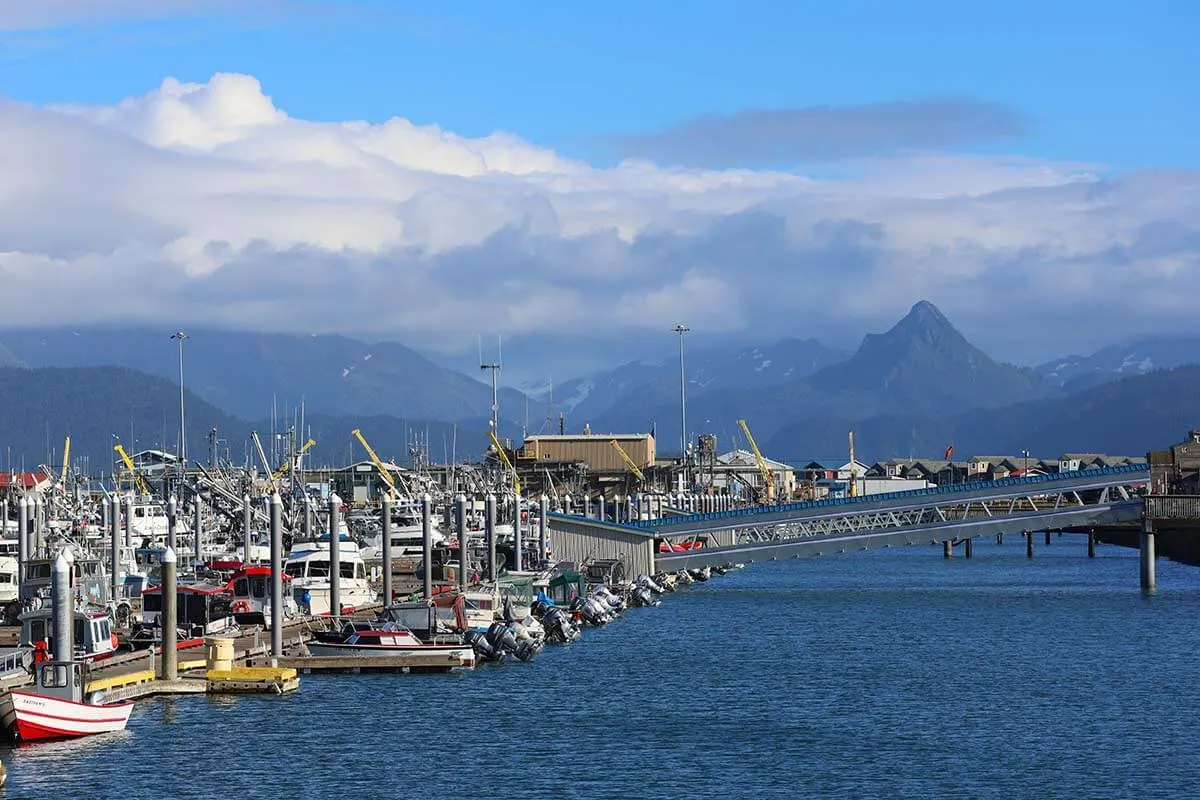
(1076, 372)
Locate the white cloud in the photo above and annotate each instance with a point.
(207, 203)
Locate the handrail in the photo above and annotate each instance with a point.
(960, 488)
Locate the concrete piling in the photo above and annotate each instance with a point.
(335, 555)
(1047, 538)
(489, 529)
(197, 525)
(22, 538)
(460, 521)
(169, 666)
(1091, 544)
(947, 549)
(129, 520)
(246, 529)
(999, 538)
(172, 519)
(63, 610)
(427, 545)
(518, 538)
(276, 578)
(601, 511)
(1146, 557)
(543, 530)
(115, 536)
(38, 512)
(308, 518)
(969, 547)
(1028, 543)
(385, 533)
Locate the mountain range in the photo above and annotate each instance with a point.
(908, 391)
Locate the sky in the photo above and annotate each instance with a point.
(579, 177)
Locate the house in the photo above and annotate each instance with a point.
(745, 466)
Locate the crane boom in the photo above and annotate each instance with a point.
(629, 462)
(133, 473)
(66, 460)
(768, 476)
(504, 459)
(384, 472)
(285, 466)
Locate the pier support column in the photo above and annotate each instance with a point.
(62, 606)
(518, 535)
(276, 578)
(460, 521)
(169, 666)
(968, 547)
(22, 540)
(1147, 556)
(1047, 538)
(543, 531)
(1091, 544)
(427, 544)
(115, 562)
(335, 555)
(999, 538)
(947, 549)
(385, 534)
(1028, 544)
(172, 520)
(489, 530)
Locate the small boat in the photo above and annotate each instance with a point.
(54, 710)
(308, 566)
(358, 638)
(251, 593)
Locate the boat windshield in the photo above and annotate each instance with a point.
(295, 569)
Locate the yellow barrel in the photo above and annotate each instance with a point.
(220, 653)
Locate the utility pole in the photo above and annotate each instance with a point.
(683, 432)
(495, 368)
(180, 336)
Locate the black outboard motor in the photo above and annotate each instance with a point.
(642, 597)
(559, 627)
(594, 612)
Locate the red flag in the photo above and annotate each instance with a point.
(949, 452)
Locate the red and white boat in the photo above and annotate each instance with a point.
(47, 713)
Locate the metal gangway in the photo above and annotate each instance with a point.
(1073, 500)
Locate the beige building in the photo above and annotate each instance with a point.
(593, 449)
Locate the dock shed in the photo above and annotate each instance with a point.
(580, 540)
(593, 449)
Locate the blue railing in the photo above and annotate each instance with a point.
(833, 502)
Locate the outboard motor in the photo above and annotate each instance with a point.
(699, 574)
(485, 650)
(642, 597)
(605, 595)
(559, 627)
(684, 577)
(594, 612)
(647, 583)
(666, 580)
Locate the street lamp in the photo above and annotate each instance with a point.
(180, 336)
(1025, 465)
(683, 435)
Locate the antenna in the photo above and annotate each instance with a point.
(495, 368)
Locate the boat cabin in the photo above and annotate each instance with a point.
(566, 586)
(251, 595)
(444, 614)
(87, 576)
(202, 608)
(94, 638)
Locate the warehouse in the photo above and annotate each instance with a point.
(594, 450)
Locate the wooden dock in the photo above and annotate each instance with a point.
(411, 663)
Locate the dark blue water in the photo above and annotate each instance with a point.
(880, 674)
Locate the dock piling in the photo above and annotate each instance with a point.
(197, 524)
(427, 544)
(22, 538)
(172, 512)
(335, 555)
(385, 533)
(169, 666)
(115, 564)
(518, 535)
(947, 548)
(1146, 554)
(543, 530)
(1091, 544)
(601, 511)
(1047, 538)
(276, 579)
(460, 520)
(1028, 543)
(246, 525)
(968, 547)
(489, 522)
(129, 520)
(64, 612)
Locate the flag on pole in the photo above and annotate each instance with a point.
(949, 452)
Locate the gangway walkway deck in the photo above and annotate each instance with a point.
(1083, 498)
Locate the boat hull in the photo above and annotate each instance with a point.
(32, 717)
(456, 655)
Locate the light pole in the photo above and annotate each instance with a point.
(180, 336)
(495, 368)
(1025, 466)
(683, 434)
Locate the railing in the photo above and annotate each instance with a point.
(961, 488)
(1172, 506)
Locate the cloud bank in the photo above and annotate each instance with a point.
(206, 203)
(824, 133)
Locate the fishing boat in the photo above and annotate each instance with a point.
(360, 638)
(202, 609)
(55, 708)
(251, 593)
(93, 637)
(308, 566)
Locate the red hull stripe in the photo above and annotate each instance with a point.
(31, 731)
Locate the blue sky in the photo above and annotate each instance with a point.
(1102, 81)
(756, 169)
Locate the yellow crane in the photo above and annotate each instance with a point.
(768, 476)
(133, 473)
(629, 463)
(503, 456)
(384, 471)
(66, 460)
(285, 466)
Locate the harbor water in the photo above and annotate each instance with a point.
(874, 674)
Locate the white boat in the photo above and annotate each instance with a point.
(407, 534)
(54, 709)
(8, 579)
(308, 566)
(361, 638)
(93, 636)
